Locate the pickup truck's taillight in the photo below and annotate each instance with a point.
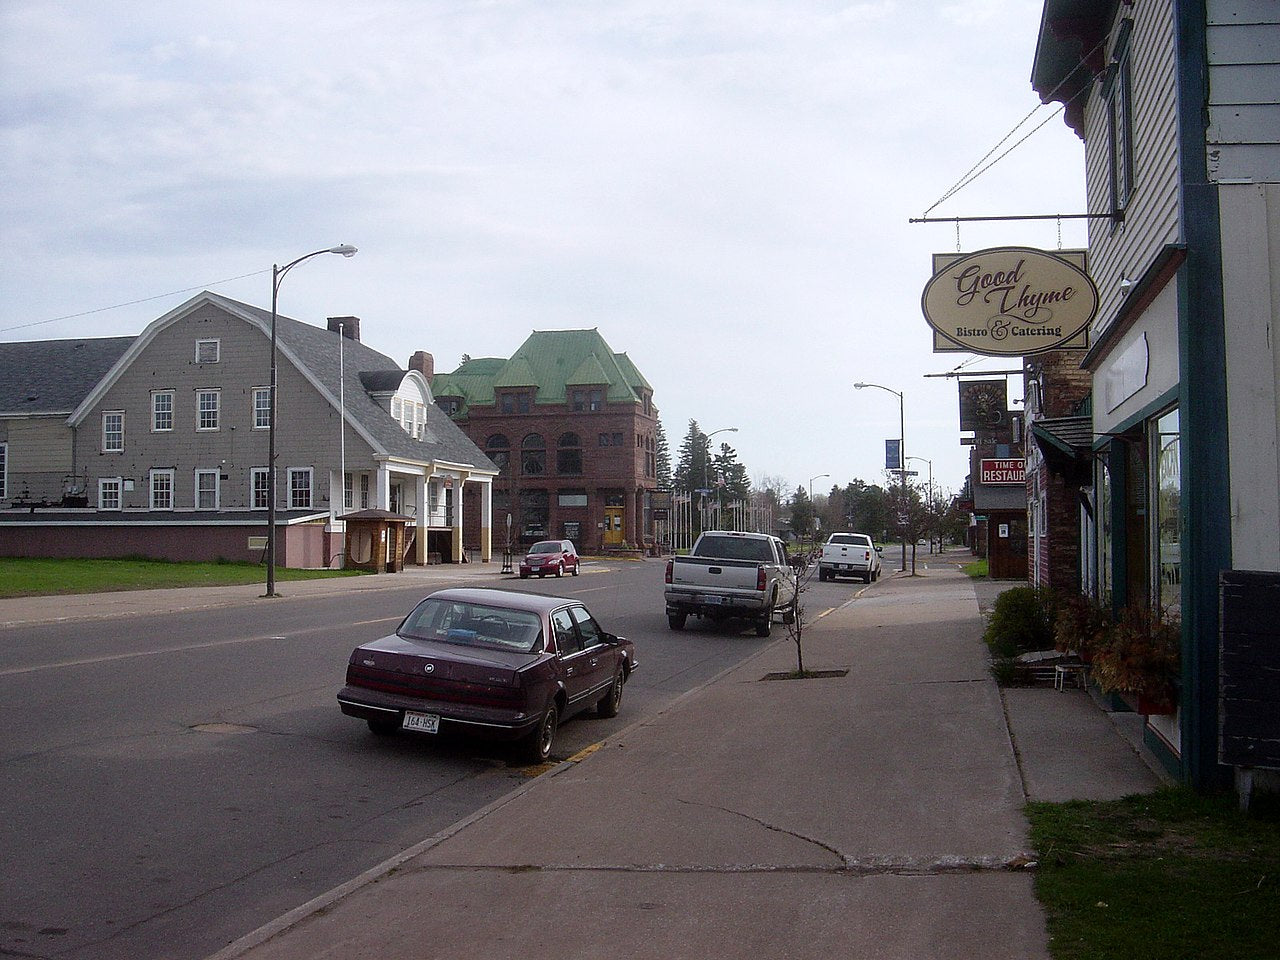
(761, 580)
(669, 566)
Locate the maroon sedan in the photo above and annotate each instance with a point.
(497, 663)
(550, 556)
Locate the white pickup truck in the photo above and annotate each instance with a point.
(849, 555)
(731, 574)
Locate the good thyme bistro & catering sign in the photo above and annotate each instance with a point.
(1008, 302)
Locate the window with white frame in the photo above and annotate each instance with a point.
(113, 431)
(4, 471)
(208, 404)
(259, 488)
(261, 408)
(348, 491)
(207, 490)
(109, 496)
(364, 491)
(161, 489)
(162, 411)
(299, 488)
(207, 351)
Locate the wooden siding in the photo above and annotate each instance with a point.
(39, 459)
(308, 426)
(1151, 218)
(1244, 90)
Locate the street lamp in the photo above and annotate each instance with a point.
(706, 470)
(902, 455)
(277, 275)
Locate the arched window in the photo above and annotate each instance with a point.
(533, 455)
(569, 455)
(498, 447)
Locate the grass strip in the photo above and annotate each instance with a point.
(1172, 875)
(22, 577)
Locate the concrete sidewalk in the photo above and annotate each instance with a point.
(873, 814)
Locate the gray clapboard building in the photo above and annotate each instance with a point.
(156, 445)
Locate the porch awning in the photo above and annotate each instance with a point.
(1066, 442)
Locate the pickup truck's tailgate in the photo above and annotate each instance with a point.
(714, 576)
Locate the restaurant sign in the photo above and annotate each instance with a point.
(997, 472)
(1009, 302)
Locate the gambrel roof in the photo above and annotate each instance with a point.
(47, 377)
(314, 352)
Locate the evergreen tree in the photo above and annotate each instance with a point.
(691, 468)
(801, 513)
(730, 475)
(663, 459)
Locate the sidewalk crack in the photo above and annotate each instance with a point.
(770, 826)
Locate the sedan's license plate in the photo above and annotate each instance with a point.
(422, 722)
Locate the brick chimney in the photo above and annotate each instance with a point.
(350, 326)
(424, 363)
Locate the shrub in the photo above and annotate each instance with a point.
(1021, 620)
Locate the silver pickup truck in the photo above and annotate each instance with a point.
(730, 574)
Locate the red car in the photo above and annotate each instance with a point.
(497, 663)
(550, 556)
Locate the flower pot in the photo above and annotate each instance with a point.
(1156, 706)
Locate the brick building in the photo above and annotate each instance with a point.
(572, 427)
(1060, 501)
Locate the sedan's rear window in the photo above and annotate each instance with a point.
(473, 624)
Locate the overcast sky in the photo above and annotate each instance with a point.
(721, 187)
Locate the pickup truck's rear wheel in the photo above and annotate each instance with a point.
(676, 620)
(765, 623)
(823, 576)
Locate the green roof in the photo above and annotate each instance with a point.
(550, 362)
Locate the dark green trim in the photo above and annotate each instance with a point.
(1206, 488)
(1156, 406)
(1160, 750)
(1118, 468)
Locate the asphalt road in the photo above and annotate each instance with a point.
(171, 783)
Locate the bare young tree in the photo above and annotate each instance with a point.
(795, 626)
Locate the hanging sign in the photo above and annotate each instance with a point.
(1001, 472)
(1009, 302)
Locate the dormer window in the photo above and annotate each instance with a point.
(515, 402)
(588, 400)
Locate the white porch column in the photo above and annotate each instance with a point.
(383, 487)
(486, 520)
(459, 481)
(424, 511)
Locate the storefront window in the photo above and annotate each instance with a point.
(1167, 472)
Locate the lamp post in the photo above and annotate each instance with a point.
(706, 467)
(930, 463)
(902, 454)
(811, 479)
(277, 275)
